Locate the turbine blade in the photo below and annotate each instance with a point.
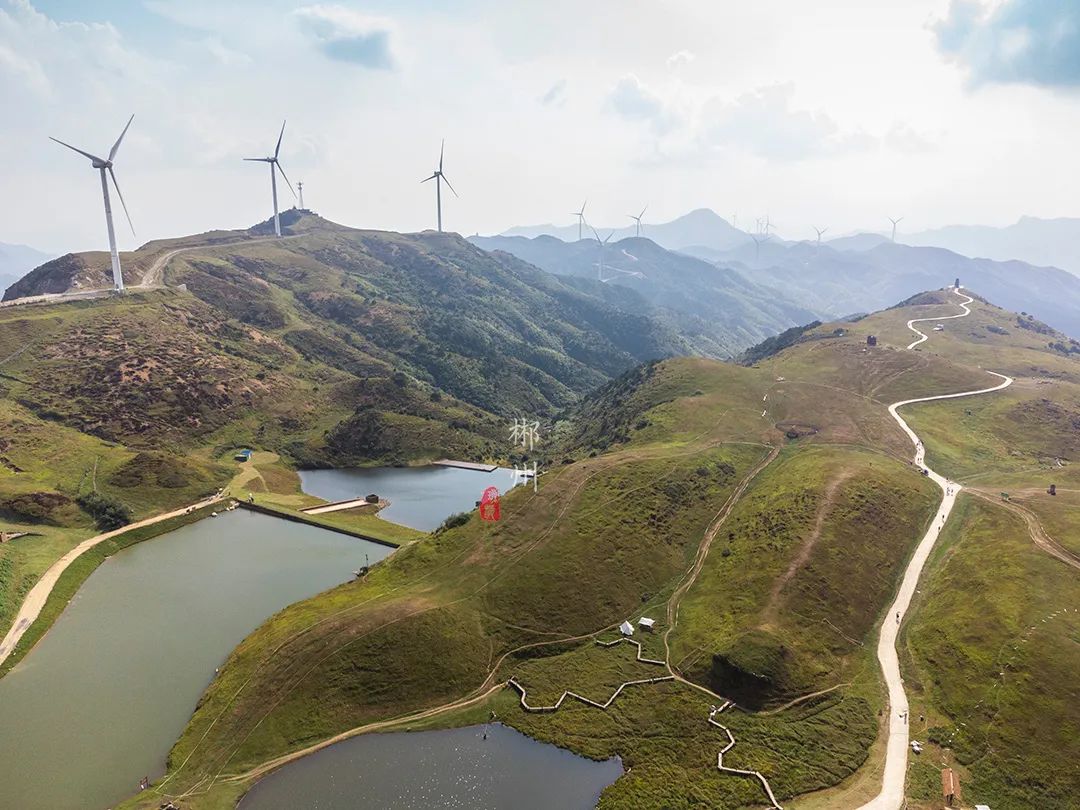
(643, 210)
(442, 147)
(283, 177)
(259, 160)
(279, 137)
(609, 236)
(448, 184)
(123, 204)
(594, 233)
(429, 178)
(116, 146)
(80, 151)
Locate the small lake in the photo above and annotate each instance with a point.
(456, 768)
(102, 698)
(420, 497)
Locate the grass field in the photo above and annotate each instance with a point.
(992, 656)
(781, 617)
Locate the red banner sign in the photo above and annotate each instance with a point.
(489, 504)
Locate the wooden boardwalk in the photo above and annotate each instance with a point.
(466, 465)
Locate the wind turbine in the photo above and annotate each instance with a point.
(104, 165)
(637, 221)
(275, 167)
(895, 222)
(440, 178)
(758, 240)
(601, 243)
(580, 218)
(820, 232)
(300, 188)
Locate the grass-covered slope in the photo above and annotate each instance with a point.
(992, 656)
(797, 572)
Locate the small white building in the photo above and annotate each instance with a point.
(646, 623)
(626, 629)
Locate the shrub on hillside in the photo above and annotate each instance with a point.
(106, 511)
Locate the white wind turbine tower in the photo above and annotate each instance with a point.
(439, 178)
(895, 222)
(300, 189)
(601, 243)
(637, 220)
(580, 218)
(275, 167)
(104, 165)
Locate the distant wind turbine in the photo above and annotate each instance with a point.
(758, 240)
(300, 188)
(895, 222)
(104, 165)
(637, 220)
(275, 167)
(580, 218)
(820, 232)
(601, 243)
(439, 179)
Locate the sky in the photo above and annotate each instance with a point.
(837, 113)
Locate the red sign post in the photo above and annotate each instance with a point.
(489, 504)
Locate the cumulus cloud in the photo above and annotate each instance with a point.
(765, 123)
(555, 95)
(635, 101)
(349, 36)
(1017, 41)
(680, 58)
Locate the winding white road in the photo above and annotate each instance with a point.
(891, 796)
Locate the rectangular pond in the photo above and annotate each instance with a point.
(101, 699)
(455, 768)
(420, 497)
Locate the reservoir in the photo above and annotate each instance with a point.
(420, 497)
(455, 768)
(101, 699)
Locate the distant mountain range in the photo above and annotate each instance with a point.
(17, 260)
(837, 283)
(1054, 242)
(717, 310)
(702, 227)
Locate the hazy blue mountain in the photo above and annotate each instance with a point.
(1054, 242)
(716, 309)
(839, 282)
(702, 227)
(857, 242)
(16, 261)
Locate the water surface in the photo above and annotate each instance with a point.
(99, 702)
(420, 497)
(456, 768)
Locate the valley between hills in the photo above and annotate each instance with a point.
(762, 513)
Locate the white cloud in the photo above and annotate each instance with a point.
(349, 36)
(680, 58)
(766, 123)
(633, 100)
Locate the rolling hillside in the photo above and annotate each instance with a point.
(719, 311)
(770, 508)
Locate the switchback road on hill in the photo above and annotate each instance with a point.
(891, 796)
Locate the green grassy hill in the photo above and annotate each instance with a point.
(768, 544)
(762, 514)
